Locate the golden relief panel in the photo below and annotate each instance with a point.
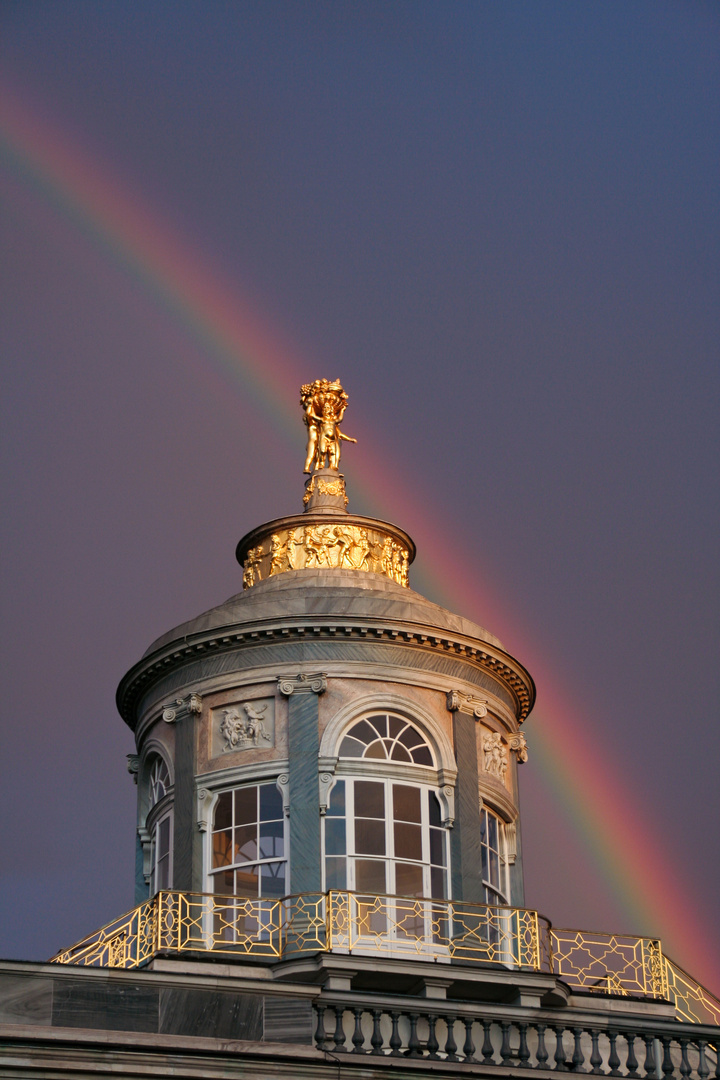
(336, 488)
(331, 546)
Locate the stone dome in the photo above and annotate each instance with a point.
(343, 593)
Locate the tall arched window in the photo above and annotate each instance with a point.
(160, 827)
(383, 834)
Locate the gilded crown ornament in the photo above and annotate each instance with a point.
(323, 404)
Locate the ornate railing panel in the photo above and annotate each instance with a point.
(691, 1000)
(609, 963)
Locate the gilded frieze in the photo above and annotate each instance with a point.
(333, 546)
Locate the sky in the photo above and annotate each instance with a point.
(497, 224)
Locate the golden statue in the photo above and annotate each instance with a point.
(324, 404)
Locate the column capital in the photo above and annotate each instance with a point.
(465, 703)
(302, 684)
(181, 707)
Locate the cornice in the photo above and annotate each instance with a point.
(487, 657)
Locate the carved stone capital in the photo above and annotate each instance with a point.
(457, 702)
(176, 710)
(518, 744)
(302, 684)
(133, 765)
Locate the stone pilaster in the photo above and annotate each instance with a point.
(303, 751)
(186, 848)
(465, 838)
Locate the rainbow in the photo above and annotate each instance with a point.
(594, 798)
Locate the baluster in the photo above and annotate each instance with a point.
(613, 1060)
(651, 1068)
(432, 1044)
(468, 1045)
(413, 1049)
(703, 1070)
(487, 1047)
(578, 1058)
(339, 1034)
(542, 1053)
(667, 1064)
(320, 1033)
(450, 1044)
(595, 1056)
(376, 1040)
(685, 1069)
(358, 1038)
(395, 1040)
(506, 1053)
(631, 1063)
(523, 1052)
(560, 1061)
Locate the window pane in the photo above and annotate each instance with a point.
(494, 869)
(422, 756)
(437, 847)
(336, 807)
(335, 836)
(224, 882)
(408, 841)
(271, 806)
(369, 836)
(376, 750)
(223, 811)
(163, 873)
(400, 753)
(395, 726)
(272, 879)
(379, 723)
(410, 737)
(246, 881)
(222, 848)
(363, 732)
(435, 809)
(370, 876)
(492, 831)
(271, 840)
(408, 879)
(438, 885)
(406, 803)
(246, 843)
(335, 873)
(369, 799)
(245, 805)
(164, 837)
(351, 748)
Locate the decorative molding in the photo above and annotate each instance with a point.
(283, 783)
(518, 745)
(326, 782)
(326, 545)
(133, 765)
(511, 842)
(302, 684)
(446, 795)
(175, 710)
(465, 703)
(495, 755)
(204, 801)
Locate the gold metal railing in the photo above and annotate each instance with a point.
(312, 922)
(439, 930)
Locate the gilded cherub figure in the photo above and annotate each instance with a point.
(324, 405)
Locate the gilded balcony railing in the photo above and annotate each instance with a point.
(439, 930)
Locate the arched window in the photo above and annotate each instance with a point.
(386, 737)
(383, 830)
(494, 868)
(160, 825)
(158, 783)
(248, 843)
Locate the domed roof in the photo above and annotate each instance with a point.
(326, 592)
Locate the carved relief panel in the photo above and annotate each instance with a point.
(242, 725)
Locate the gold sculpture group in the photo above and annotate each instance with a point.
(333, 546)
(323, 404)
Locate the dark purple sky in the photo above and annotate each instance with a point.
(498, 225)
